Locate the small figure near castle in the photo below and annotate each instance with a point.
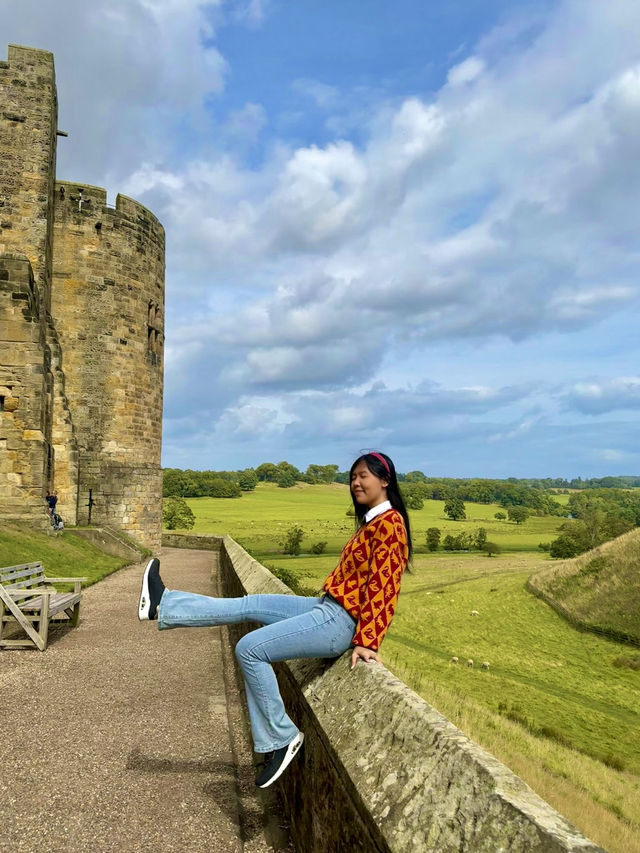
(52, 500)
(354, 612)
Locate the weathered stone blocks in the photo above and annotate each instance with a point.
(81, 299)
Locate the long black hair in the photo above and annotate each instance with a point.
(375, 464)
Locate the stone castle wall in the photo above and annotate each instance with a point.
(28, 118)
(25, 391)
(81, 370)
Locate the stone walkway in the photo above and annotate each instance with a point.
(121, 738)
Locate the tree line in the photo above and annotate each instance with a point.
(595, 516)
(537, 495)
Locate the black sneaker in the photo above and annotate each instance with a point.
(151, 592)
(277, 762)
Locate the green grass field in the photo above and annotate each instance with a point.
(552, 704)
(258, 520)
(68, 555)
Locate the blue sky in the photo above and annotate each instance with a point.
(409, 227)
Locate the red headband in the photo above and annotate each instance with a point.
(382, 459)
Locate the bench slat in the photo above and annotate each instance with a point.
(8, 571)
(25, 574)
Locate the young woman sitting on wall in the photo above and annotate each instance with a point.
(354, 613)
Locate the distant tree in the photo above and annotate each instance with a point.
(321, 473)
(491, 548)
(464, 541)
(177, 482)
(267, 472)
(288, 468)
(564, 547)
(286, 480)
(414, 502)
(247, 479)
(449, 542)
(480, 538)
(500, 515)
(176, 515)
(292, 543)
(433, 538)
(454, 508)
(415, 477)
(219, 488)
(318, 547)
(519, 514)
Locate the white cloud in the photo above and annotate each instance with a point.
(466, 72)
(596, 397)
(496, 209)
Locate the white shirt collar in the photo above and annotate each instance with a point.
(376, 510)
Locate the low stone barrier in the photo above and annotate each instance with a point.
(192, 540)
(110, 543)
(381, 770)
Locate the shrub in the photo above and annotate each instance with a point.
(176, 515)
(291, 579)
(286, 480)
(480, 538)
(564, 547)
(628, 662)
(292, 541)
(613, 761)
(248, 480)
(500, 516)
(433, 538)
(491, 549)
(318, 547)
(544, 546)
(449, 542)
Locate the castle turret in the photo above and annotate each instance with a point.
(108, 304)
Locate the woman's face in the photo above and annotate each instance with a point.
(366, 488)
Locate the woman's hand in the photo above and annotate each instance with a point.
(367, 655)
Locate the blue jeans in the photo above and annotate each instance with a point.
(294, 626)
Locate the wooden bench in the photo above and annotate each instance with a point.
(28, 599)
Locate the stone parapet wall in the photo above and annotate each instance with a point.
(202, 542)
(381, 770)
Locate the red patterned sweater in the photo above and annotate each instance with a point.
(366, 581)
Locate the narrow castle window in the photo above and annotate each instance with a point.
(153, 334)
(1, 404)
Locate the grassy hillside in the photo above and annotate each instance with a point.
(65, 555)
(599, 589)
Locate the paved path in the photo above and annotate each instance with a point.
(122, 738)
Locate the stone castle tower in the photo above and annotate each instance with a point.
(81, 328)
